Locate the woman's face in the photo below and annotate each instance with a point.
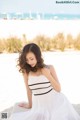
(31, 59)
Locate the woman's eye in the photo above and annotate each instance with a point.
(32, 59)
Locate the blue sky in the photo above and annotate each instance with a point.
(44, 6)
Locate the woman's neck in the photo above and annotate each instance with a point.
(38, 72)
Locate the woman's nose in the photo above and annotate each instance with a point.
(29, 63)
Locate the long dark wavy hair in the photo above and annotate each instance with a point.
(23, 65)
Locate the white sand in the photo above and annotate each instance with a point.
(67, 64)
(31, 28)
(12, 88)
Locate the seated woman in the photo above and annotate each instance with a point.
(45, 100)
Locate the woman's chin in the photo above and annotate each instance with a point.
(32, 66)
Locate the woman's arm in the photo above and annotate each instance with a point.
(29, 93)
(52, 77)
(53, 72)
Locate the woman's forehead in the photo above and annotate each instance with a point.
(30, 54)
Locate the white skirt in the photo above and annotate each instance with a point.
(50, 106)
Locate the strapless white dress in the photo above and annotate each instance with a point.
(47, 103)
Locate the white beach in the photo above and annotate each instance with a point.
(67, 64)
(32, 28)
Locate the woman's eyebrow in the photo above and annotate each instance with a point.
(29, 58)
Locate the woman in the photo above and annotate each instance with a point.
(45, 101)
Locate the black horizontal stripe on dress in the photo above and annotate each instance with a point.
(43, 93)
(41, 88)
(39, 83)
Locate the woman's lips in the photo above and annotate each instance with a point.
(32, 65)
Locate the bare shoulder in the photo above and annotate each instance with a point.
(52, 71)
(50, 67)
(25, 75)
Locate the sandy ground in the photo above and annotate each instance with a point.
(32, 28)
(12, 88)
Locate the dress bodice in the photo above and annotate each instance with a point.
(39, 85)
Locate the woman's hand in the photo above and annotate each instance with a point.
(24, 105)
